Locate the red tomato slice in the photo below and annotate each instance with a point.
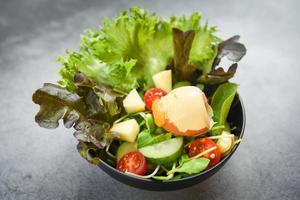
(153, 94)
(133, 162)
(202, 144)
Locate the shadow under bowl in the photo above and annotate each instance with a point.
(236, 116)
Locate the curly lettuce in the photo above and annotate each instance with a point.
(126, 51)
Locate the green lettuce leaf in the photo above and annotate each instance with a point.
(116, 74)
(204, 47)
(125, 52)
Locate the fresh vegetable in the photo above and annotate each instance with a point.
(133, 102)
(181, 84)
(234, 51)
(125, 148)
(184, 111)
(142, 54)
(221, 103)
(163, 80)
(153, 94)
(192, 166)
(189, 54)
(225, 142)
(164, 152)
(125, 52)
(57, 103)
(101, 101)
(133, 162)
(126, 130)
(149, 121)
(145, 138)
(182, 42)
(202, 144)
(89, 152)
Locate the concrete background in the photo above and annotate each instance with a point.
(41, 164)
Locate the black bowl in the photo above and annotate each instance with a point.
(236, 116)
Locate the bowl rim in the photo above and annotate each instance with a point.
(210, 170)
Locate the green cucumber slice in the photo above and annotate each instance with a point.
(165, 152)
(125, 148)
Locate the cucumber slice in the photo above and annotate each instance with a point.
(125, 148)
(165, 152)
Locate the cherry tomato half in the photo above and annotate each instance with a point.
(133, 162)
(153, 94)
(202, 144)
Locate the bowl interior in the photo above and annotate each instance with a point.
(236, 118)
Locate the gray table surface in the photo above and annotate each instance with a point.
(36, 163)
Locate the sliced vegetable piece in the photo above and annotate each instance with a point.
(133, 162)
(164, 152)
(126, 130)
(133, 102)
(153, 94)
(125, 148)
(163, 80)
(202, 144)
(158, 114)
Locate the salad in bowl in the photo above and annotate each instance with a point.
(147, 95)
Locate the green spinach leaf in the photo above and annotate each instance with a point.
(192, 166)
(145, 138)
(221, 103)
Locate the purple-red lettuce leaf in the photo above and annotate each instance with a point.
(233, 51)
(182, 43)
(218, 75)
(57, 103)
(101, 101)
